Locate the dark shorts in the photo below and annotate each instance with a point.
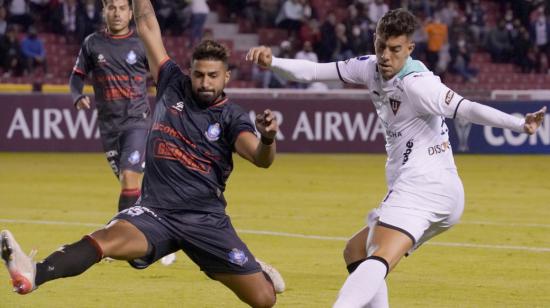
(208, 239)
(126, 150)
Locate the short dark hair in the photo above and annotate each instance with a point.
(211, 50)
(105, 2)
(397, 22)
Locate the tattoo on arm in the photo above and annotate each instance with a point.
(143, 9)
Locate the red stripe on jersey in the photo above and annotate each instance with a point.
(76, 70)
(130, 192)
(118, 37)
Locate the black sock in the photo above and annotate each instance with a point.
(353, 266)
(69, 260)
(128, 198)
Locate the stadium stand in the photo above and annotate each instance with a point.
(241, 25)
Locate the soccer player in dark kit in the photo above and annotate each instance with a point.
(195, 130)
(116, 60)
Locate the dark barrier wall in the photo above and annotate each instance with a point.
(49, 123)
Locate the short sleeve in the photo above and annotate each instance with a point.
(169, 72)
(430, 96)
(355, 70)
(238, 122)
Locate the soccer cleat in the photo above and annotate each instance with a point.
(21, 267)
(168, 259)
(276, 278)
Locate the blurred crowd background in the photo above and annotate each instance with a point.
(469, 43)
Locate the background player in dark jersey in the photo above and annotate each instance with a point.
(115, 58)
(189, 159)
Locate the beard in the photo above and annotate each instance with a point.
(207, 97)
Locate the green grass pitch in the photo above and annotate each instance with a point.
(498, 256)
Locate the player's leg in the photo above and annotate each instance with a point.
(387, 247)
(254, 289)
(132, 145)
(355, 251)
(119, 239)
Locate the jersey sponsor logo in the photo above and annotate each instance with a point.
(393, 134)
(213, 132)
(439, 148)
(449, 97)
(131, 58)
(111, 154)
(363, 58)
(170, 151)
(394, 104)
(237, 256)
(408, 151)
(134, 157)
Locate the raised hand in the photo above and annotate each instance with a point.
(266, 124)
(260, 55)
(534, 120)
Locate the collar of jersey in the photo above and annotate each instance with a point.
(118, 37)
(411, 66)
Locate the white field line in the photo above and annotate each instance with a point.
(504, 224)
(293, 235)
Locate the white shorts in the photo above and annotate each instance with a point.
(421, 207)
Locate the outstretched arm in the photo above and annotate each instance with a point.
(149, 32)
(485, 115)
(292, 69)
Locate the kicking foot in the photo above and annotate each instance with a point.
(276, 278)
(168, 259)
(21, 267)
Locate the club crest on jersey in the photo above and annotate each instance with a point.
(394, 104)
(178, 106)
(131, 58)
(134, 158)
(213, 132)
(237, 256)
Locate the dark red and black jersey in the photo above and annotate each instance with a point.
(118, 67)
(190, 146)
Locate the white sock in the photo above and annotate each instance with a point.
(380, 299)
(362, 285)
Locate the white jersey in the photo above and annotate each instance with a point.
(412, 106)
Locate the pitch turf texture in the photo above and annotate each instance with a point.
(295, 216)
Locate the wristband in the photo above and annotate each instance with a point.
(267, 141)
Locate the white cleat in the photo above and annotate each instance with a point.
(168, 259)
(21, 267)
(276, 278)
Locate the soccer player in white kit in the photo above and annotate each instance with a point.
(425, 194)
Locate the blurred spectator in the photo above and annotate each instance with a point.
(460, 57)
(377, 9)
(499, 44)
(449, 13)
(437, 38)
(3, 21)
(328, 37)
(540, 31)
(307, 53)
(268, 13)
(199, 12)
(290, 16)
(19, 13)
(40, 9)
(33, 51)
(359, 41)
(90, 19)
(68, 11)
(420, 39)
(343, 46)
(524, 52)
(169, 15)
(10, 53)
(310, 32)
(476, 19)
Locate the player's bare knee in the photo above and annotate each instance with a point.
(264, 298)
